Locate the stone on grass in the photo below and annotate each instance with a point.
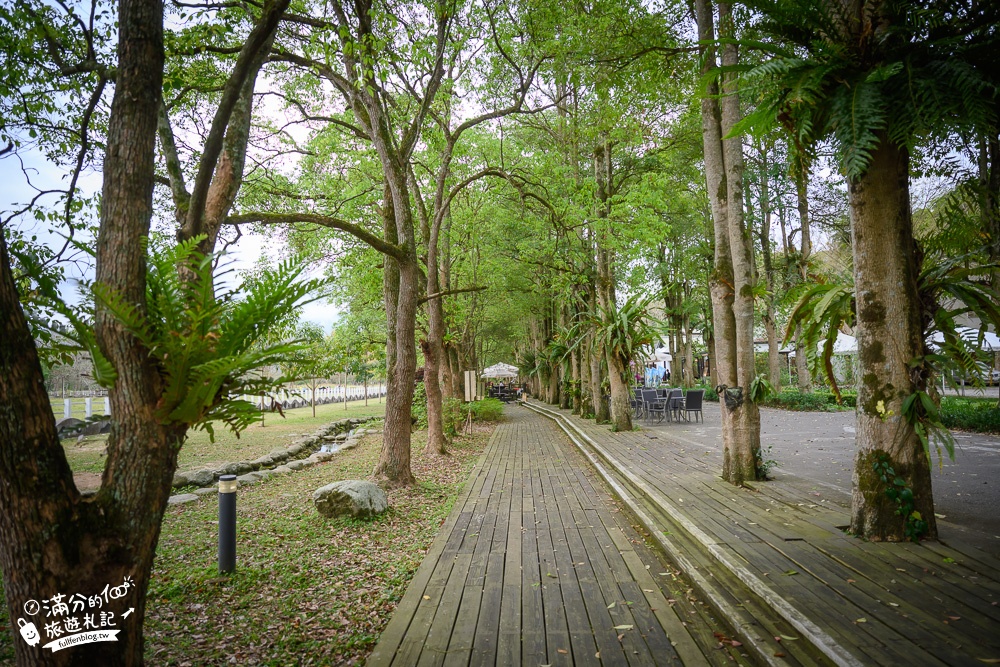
(262, 462)
(201, 477)
(180, 479)
(249, 478)
(69, 426)
(281, 470)
(96, 428)
(320, 457)
(181, 499)
(354, 497)
(228, 469)
(206, 491)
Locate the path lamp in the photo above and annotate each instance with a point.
(227, 523)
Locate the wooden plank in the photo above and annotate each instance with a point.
(438, 637)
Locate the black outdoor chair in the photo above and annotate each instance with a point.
(692, 403)
(675, 403)
(653, 404)
(636, 403)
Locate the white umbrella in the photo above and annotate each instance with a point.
(500, 370)
(991, 342)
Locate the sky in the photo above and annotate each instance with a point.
(15, 191)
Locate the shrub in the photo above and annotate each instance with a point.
(816, 401)
(452, 416)
(419, 409)
(487, 410)
(980, 415)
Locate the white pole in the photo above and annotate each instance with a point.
(89, 402)
(67, 408)
(107, 406)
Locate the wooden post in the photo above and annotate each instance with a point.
(314, 397)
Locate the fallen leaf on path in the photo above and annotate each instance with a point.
(861, 620)
(623, 627)
(562, 650)
(611, 606)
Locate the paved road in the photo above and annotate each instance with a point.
(815, 450)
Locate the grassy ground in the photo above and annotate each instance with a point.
(307, 590)
(199, 452)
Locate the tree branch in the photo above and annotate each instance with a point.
(175, 175)
(354, 230)
(438, 295)
(261, 35)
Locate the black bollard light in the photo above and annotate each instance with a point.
(227, 523)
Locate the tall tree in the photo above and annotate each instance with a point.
(732, 288)
(375, 58)
(56, 541)
(877, 76)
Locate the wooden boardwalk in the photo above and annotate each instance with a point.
(779, 566)
(536, 566)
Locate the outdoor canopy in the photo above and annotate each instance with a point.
(500, 370)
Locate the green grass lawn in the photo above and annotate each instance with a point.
(307, 590)
(200, 452)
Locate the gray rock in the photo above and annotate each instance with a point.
(320, 457)
(201, 477)
(297, 464)
(247, 479)
(69, 426)
(356, 498)
(350, 443)
(180, 479)
(229, 469)
(96, 428)
(280, 470)
(181, 499)
(262, 462)
(207, 491)
(279, 455)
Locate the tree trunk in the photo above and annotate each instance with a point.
(621, 411)
(394, 460)
(889, 337)
(801, 354)
(432, 349)
(688, 352)
(53, 541)
(602, 412)
(721, 279)
(740, 462)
